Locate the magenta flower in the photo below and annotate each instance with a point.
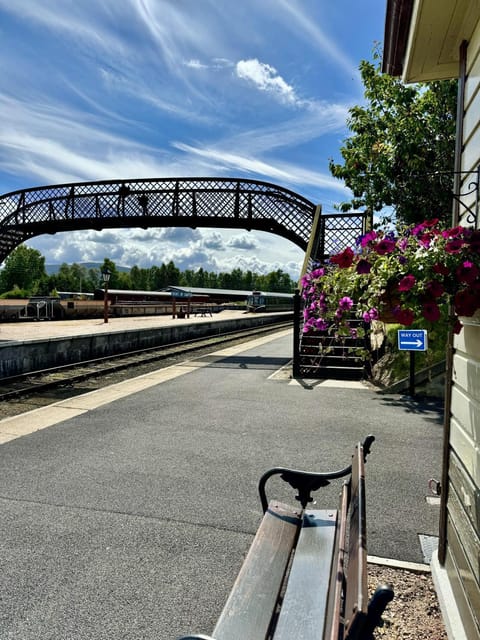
(321, 324)
(466, 302)
(431, 311)
(367, 238)
(467, 272)
(404, 316)
(385, 246)
(454, 246)
(406, 283)
(345, 303)
(435, 288)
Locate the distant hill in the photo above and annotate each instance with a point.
(51, 269)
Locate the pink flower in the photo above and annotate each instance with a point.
(406, 283)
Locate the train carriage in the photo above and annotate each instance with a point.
(266, 302)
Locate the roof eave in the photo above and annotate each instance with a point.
(397, 28)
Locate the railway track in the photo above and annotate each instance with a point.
(49, 385)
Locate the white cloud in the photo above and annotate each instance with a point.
(243, 241)
(266, 78)
(195, 64)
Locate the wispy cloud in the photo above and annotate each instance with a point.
(300, 20)
(282, 172)
(156, 88)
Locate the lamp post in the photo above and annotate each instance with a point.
(106, 273)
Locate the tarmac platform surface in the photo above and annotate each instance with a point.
(127, 511)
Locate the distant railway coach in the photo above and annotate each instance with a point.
(122, 302)
(258, 302)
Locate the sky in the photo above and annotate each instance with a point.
(118, 89)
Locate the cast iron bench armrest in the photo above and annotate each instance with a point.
(305, 481)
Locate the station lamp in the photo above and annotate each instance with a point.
(106, 273)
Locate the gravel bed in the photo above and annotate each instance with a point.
(414, 613)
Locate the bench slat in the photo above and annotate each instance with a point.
(356, 597)
(332, 630)
(305, 603)
(250, 606)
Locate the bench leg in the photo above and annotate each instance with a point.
(376, 607)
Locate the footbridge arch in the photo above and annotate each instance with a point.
(233, 203)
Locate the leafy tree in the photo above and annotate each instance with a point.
(124, 281)
(140, 278)
(24, 269)
(74, 277)
(172, 274)
(401, 150)
(278, 281)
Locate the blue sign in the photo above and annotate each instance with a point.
(412, 340)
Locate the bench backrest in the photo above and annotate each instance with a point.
(356, 596)
(348, 599)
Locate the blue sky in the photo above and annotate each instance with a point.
(108, 89)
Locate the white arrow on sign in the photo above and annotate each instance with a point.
(417, 343)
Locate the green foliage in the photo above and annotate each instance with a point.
(24, 268)
(74, 277)
(20, 267)
(401, 150)
(15, 293)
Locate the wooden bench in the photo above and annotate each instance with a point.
(203, 311)
(305, 575)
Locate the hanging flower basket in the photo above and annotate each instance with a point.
(388, 307)
(418, 273)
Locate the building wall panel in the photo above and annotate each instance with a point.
(467, 411)
(466, 449)
(468, 493)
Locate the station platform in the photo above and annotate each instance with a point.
(23, 330)
(127, 511)
(27, 346)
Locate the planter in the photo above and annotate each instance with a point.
(471, 320)
(387, 316)
(389, 303)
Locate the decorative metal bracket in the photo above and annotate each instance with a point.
(305, 482)
(472, 187)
